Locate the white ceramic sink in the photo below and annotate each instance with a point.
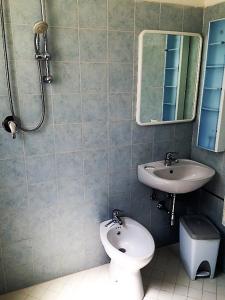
(182, 177)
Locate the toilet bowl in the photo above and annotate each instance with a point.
(130, 247)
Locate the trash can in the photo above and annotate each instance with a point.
(199, 245)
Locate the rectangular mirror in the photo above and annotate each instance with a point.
(168, 76)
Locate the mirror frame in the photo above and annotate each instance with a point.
(139, 76)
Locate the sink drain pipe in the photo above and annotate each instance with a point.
(171, 212)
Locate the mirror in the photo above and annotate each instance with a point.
(168, 76)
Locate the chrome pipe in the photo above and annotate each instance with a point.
(5, 53)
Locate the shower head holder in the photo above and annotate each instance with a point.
(40, 27)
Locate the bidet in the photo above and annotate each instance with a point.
(130, 247)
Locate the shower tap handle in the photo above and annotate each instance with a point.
(11, 124)
(13, 129)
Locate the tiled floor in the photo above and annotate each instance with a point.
(164, 279)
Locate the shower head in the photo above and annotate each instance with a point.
(40, 27)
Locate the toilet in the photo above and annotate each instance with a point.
(130, 247)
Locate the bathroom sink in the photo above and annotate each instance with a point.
(183, 176)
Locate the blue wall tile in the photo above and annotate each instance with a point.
(95, 162)
(19, 276)
(41, 142)
(120, 133)
(13, 198)
(121, 14)
(46, 269)
(69, 165)
(93, 14)
(63, 44)
(94, 107)
(120, 201)
(93, 45)
(120, 107)
(165, 133)
(142, 134)
(94, 77)
(193, 19)
(141, 153)
(13, 172)
(71, 196)
(3, 84)
(30, 109)
(14, 227)
(120, 159)
(94, 135)
(67, 137)
(147, 16)
(10, 148)
(120, 78)
(21, 13)
(23, 46)
(95, 205)
(67, 108)
(40, 168)
(171, 17)
(56, 9)
(4, 106)
(27, 77)
(42, 197)
(66, 78)
(121, 46)
(119, 184)
(19, 252)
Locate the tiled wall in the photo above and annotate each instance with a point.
(57, 184)
(211, 205)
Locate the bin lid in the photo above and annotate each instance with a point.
(200, 228)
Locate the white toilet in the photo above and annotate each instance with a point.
(130, 247)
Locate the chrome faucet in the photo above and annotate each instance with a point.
(11, 124)
(116, 218)
(170, 158)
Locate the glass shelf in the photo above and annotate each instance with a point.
(171, 86)
(171, 68)
(172, 49)
(215, 66)
(210, 109)
(209, 88)
(167, 103)
(217, 43)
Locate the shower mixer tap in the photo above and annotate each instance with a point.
(11, 124)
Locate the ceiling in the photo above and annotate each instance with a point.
(198, 3)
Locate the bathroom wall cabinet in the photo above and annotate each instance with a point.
(211, 131)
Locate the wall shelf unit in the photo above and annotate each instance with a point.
(171, 76)
(211, 131)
